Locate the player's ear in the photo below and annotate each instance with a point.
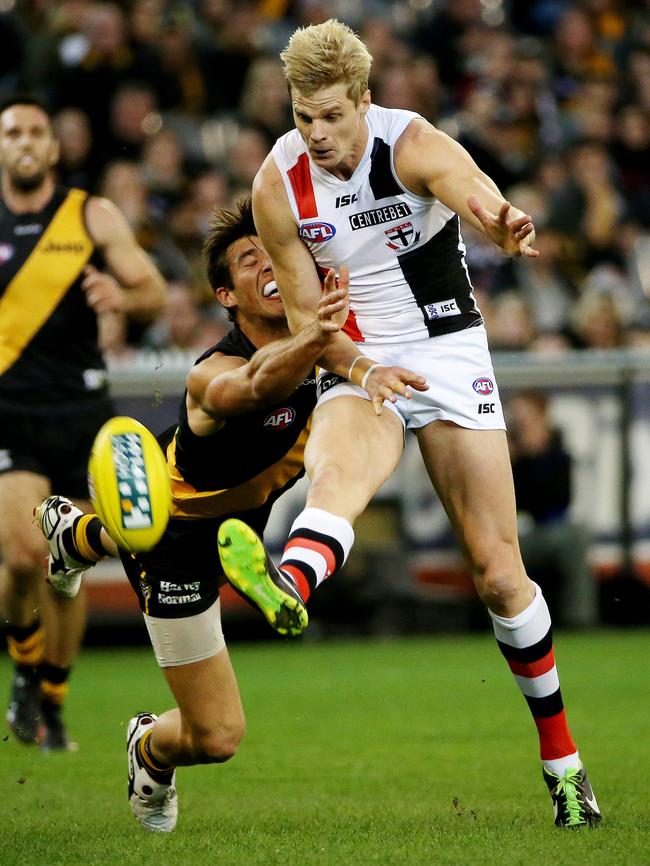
(365, 102)
(225, 296)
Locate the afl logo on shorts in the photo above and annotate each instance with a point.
(280, 419)
(483, 386)
(317, 233)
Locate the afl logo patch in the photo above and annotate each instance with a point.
(483, 385)
(280, 419)
(6, 252)
(317, 233)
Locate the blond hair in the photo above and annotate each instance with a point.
(324, 54)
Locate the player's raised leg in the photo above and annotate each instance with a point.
(344, 476)
(250, 569)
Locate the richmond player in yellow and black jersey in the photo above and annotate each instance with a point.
(239, 468)
(238, 446)
(55, 244)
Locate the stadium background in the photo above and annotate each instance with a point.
(169, 109)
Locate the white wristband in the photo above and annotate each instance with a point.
(358, 358)
(367, 373)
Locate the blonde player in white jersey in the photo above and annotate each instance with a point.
(381, 191)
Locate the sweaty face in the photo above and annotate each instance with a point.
(332, 127)
(254, 289)
(28, 148)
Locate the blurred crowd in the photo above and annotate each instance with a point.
(168, 109)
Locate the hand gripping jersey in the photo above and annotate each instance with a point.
(405, 253)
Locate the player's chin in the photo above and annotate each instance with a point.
(274, 307)
(325, 159)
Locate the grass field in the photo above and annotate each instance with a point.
(403, 752)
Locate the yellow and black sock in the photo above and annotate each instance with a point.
(86, 539)
(26, 643)
(159, 772)
(54, 682)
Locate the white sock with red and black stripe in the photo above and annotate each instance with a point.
(526, 641)
(318, 545)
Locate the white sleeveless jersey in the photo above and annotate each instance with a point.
(405, 253)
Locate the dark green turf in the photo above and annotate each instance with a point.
(404, 752)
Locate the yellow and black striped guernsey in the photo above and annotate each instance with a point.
(48, 334)
(238, 471)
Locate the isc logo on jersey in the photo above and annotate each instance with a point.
(280, 419)
(442, 309)
(317, 233)
(129, 484)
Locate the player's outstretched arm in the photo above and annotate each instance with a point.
(429, 162)
(222, 386)
(510, 229)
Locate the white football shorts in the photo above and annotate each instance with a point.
(458, 368)
(186, 639)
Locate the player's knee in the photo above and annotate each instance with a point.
(219, 744)
(499, 581)
(327, 480)
(24, 565)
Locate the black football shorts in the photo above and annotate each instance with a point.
(56, 446)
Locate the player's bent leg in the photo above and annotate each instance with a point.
(22, 549)
(350, 453)
(344, 475)
(250, 569)
(64, 620)
(205, 728)
(209, 723)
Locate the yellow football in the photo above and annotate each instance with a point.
(129, 484)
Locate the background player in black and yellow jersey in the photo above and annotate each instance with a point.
(238, 445)
(54, 245)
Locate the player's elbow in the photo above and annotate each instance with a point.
(156, 299)
(147, 301)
